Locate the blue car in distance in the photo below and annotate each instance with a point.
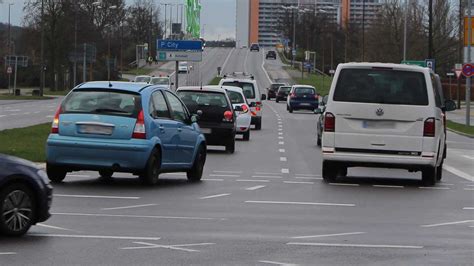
(302, 97)
(124, 127)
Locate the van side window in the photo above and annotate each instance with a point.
(436, 90)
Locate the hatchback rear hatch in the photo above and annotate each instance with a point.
(99, 113)
(304, 94)
(380, 110)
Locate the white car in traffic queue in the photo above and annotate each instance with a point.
(385, 116)
(241, 109)
(162, 81)
(250, 89)
(142, 79)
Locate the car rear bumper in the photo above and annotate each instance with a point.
(219, 136)
(304, 105)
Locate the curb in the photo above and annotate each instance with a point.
(460, 133)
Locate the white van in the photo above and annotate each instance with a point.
(387, 116)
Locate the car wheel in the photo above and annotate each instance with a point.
(329, 172)
(195, 173)
(258, 125)
(428, 176)
(152, 169)
(318, 141)
(17, 210)
(230, 147)
(277, 100)
(343, 171)
(439, 172)
(247, 135)
(106, 174)
(290, 109)
(55, 174)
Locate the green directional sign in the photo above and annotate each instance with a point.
(162, 56)
(414, 62)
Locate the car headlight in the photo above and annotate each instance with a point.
(41, 173)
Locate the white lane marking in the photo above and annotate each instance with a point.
(215, 196)
(458, 172)
(37, 112)
(344, 184)
(255, 187)
(264, 70)
(298, 182)
(468, 208)
(266, 173)
(13, 110)
(179, 174)
(435, 188)
(354, 245)
(97, 237)
(470, 185)
(277, 263)
(129, 207)
(468, 157)
(449, 223)
(252, 180)
(329, 235)
(285, 171)
(7, 253)
(280, 129)
(311, 175)
(309, 178)
(279, 122)
(266, 176)
(50, 116)
(227, 59)
(469, 189)
(2, 115)
(387, 186)
(94, 196)
(173, 247)
(280, 133)
(280, 125)
(135, 216)
(281, 150)
(228, 172)
(220, 175)
(283, 159)
(78, 176)
(212, 179)
(280, 137)
(27, 113)
(54, 227)
(300, 203)
(281, 143)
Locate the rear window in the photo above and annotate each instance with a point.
(160, 81)
(276, 86)
(196, 99)
(235, 97)
(247, 88)
(381, 86)
(102, 102)
(142, 79)
(284, 89)
(304, 91)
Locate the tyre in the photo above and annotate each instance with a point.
(290, 109)
(277, 100)
(439, 172)
(247, 135)
(258, 125)
(55, 174)
(329, 172)
(151, 172)
(230, 147)
(106, 173)
(342, 171)
(428, 176)
(195, 173)
(17, 210)
(318, 141)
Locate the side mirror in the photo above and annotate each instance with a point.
(318, 111)
(264, 97)
(194, 118)
(238, 108)
(450, 105)
(325, 100)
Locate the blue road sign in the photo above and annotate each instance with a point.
(430, 63)
(175, 45)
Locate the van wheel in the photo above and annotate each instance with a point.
(290, 109)
(247, 135)
(277, 100)
(258, 125)
(152, 169)
(439, 172)
(195, 173)
(55, 174)
(429, 175)
(329, 172)
(17, 210)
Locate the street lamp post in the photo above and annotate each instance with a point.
(405, 31)
(9, 43)
(42, 77)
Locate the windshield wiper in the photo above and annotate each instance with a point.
(108, 110)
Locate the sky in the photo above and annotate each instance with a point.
(217, 16)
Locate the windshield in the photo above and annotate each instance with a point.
(102, 102)
(142, 79)
(235, 97)
(247, 88)
(381, 86)
(160, 81)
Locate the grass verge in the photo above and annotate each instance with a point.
(468, 130)
(138, 72)
(28, 143)
(320, 82)
(215, 81)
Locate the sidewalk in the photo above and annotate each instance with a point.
(459, 115)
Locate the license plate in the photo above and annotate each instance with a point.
(95, 129)
(206, 130)
(305, 104)
(378, 124)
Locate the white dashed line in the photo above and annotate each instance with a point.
(281, 143)
(277, 263)
(458, 172)
(7, 253)
(129, 207)
(285, 171)
(2, 115)
(252, 180)
(267, 173)
(469, 189)
(317, 236)
(298, 182)
(387, 186)
(355, 245)
(54, 227)
(309, 178)
(280, 129)
(344, 184)
(228, 172)
(97, 237)
(281, 150)
(212, 179)
(468, 208)
(300, 203)
(468, 157)
(283, 159)
(255, 187)
(280, 138)
(135, 216)
(280, 133)
(215, 196)
(266, 176)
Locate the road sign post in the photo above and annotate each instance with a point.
(450, 75)
(468, 79)
(458, 71)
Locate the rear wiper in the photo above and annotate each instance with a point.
(107, 110)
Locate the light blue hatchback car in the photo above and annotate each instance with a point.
(124, 127)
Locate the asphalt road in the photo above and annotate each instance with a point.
(264, 205)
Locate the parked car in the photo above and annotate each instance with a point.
(217, 119)
(142, 79)
(251, 91)
(183, 67)
(271, 54)
(124, 127)
(272, 90)
(385, 115)
(302, 97)
(242, 110)
(254, 47)
(282, 93)
(164, 81)
(25, 195)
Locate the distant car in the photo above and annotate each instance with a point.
(217, 119)
(272, 90)
(161, 81)
(387, 116)
(124, 127)
(25, 195)
(254, 47)
(302, 97)
(142, 79)
(242, 110)
(271, 54)
(282, 93)
(183, 67)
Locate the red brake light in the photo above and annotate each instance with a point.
(139, 131)
(245, 108)
(228, 116)
(329, 122)
(55, 125)
(429, 127)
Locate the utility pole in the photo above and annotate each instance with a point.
(363, 30)
(293, 52)
(42, 77)
(468, 79)
(405, 31)
(9, 44)
(75, 46)
(461, 45)
(430, 29)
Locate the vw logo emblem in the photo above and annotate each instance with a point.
(379, 112)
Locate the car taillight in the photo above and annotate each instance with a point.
(55, 125)
(316, 97)
(429, 127)
(245, 109)
(228, 116)
(329, 122)
(139, 131)
(258, 106)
